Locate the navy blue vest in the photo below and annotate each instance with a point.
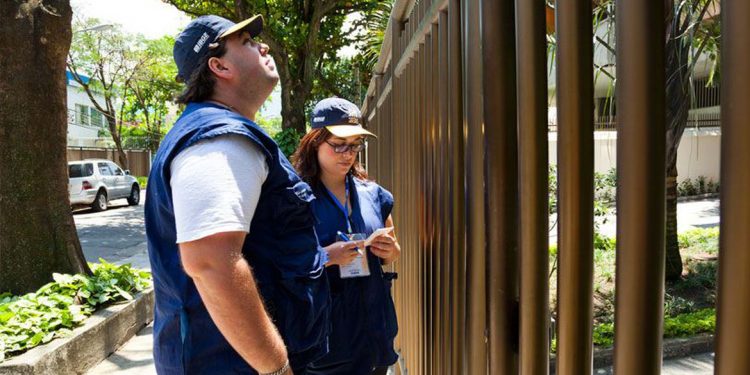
(282, 249)
(363, 317)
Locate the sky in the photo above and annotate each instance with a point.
(153, 19)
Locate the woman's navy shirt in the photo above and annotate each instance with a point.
(363, 317)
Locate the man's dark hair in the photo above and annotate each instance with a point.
(200, 86)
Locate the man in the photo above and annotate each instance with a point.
(238, 275)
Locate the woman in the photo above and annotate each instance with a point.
(363, 318)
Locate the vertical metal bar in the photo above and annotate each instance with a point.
(733, 341)
(440, 104)
(435, 229)
(420, 179)
(416, 315)
(500, 139)
(476, 275)
(641, 187)
(421, 187)
(576, 185)
(534, 210)
(457, 208)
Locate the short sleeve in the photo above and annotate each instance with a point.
(216, 185)
(386, 202)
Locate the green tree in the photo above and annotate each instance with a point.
(37, 232)
(110, 59)
(149, 96)
(348, 77)
(304, 37)
(692, 30)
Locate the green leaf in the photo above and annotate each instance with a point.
(37, 318)
(6, 316)
(124, 294)
(36, 339)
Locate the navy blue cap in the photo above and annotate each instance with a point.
(340, 116)
(194, 42)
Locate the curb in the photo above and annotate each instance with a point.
(672, 348)
(699, 197)
(102, 333)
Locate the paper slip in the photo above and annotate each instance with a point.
(377, 234)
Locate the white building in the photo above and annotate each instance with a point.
(87, 127)
(698, 154)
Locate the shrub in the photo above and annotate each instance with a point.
(604, 334)
(142, 181)
(676, 305)
(288, 140)
(58, 307)
(690, 324)
(701, 185)
(701, 239)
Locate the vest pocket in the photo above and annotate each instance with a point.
(302, 307)
(294, 208)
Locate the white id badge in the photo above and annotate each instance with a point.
(358, 267)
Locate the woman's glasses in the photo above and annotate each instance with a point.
(342, 148)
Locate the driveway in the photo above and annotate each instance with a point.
(116, 235)
(693, 214)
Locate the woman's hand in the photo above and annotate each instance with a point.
(386, 247)
(342, 253)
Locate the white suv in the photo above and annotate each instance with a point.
(95, 182)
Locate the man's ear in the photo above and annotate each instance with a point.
(219, 67)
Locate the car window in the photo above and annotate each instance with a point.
(116, 169)
(80, 170)
(104, 169)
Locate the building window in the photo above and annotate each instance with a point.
(82, 114)
(96, 117)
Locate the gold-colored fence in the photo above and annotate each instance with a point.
(459, 103)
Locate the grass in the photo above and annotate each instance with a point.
(688, 303)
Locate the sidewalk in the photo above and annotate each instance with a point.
(135, 357)
(699, 364)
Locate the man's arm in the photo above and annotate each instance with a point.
(227, 287)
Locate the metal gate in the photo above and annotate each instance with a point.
(459, 102)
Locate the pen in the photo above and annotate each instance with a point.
(346, 238)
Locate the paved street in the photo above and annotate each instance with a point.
(116, 235)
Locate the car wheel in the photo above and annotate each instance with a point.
(135, 196)
(100, 203)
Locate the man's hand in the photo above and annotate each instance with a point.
(227, 287)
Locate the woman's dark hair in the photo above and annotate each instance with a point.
(200, 86)
(305, 159)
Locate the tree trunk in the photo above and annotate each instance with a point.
(678, 105)
(122, 158)
(674, 259)
(37, 232)
(293, 98)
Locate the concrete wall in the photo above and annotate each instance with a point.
(698, 154)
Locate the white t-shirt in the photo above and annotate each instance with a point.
(216, 185)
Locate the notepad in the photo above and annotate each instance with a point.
(377, 234)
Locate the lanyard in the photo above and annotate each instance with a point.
(343, 207)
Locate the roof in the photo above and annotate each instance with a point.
(69, 77)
